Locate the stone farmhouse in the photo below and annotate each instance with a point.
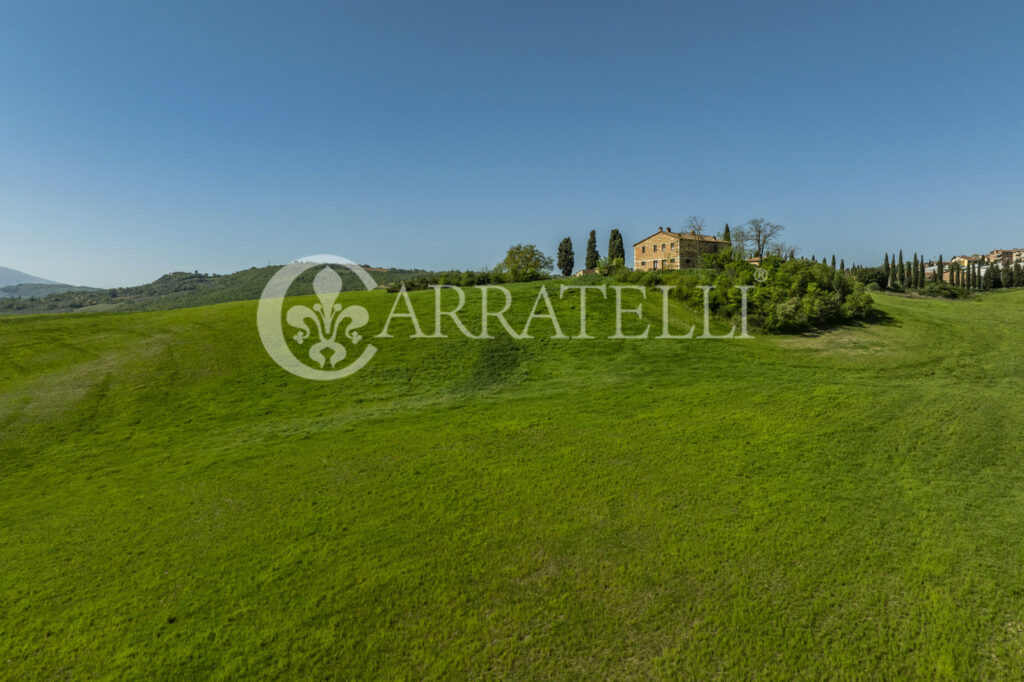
(668, 250)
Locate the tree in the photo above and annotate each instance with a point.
(939, 269)
(783, 250)
(524, 262)
(696, 225)
(914, 283)
(740, 241)
(762, 233)
(592, 255)
(842, 265)
(885, 266)
(840, 284)
(901, 271)
(615, 247)
(726, 236)
(566, 257)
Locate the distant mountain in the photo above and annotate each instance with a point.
(9, 277)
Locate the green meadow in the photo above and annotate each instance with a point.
(843, 505)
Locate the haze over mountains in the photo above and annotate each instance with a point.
(10, 277)
(18, 284)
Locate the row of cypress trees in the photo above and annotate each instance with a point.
(567, 257)
(995, 277)
(911, 274)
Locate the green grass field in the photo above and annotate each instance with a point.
(846, 505)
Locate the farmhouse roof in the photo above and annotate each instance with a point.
(682, 235)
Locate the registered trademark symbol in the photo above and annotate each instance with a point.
(761, 275)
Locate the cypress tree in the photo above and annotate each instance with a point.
(901, 271)
(566, 257)
(726, 235)
(885, 267)
(592, 255)
(842, 265)
(939, 269)
(615, 247)
(914, 281)
(833, 261)
(920, 274)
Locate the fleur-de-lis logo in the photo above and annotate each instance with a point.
(327, 326)
(327, 317)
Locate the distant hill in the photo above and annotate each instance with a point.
(38, 290)
(184, 290)
(10, 277)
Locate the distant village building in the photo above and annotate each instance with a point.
(668, 250)
(1001, 256)
(963, 261)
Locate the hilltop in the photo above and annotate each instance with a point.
(842, 504)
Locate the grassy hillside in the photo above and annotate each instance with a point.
(844, 505)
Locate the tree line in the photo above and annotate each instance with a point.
(616, 253)
(898, 274)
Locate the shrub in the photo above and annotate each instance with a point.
(797, 294)
(942, 290)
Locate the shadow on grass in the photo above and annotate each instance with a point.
(875, 317)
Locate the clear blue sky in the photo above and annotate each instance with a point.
(137, 140)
